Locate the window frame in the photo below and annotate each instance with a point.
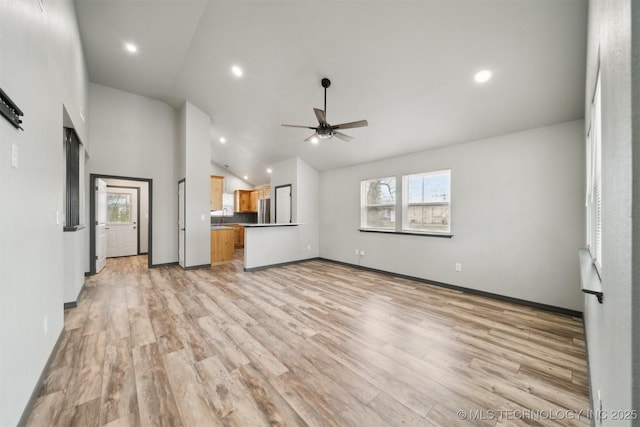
(364, 205)
(73, 170)
(127, 196)
(401, 208)
(593, 202)
(406, 204)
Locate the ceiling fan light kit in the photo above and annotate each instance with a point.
(324, 130)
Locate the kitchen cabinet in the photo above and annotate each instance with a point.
(247, 200)
(238, 235)
(253, 201)
(222, 245)
(216, 186)
(243, 201)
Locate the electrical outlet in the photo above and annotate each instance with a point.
(202, 217)
(458, 266)
(45, 325)
(309, 247)
(357, 252)
(362, 252)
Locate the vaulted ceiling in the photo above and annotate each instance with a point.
(405, 66)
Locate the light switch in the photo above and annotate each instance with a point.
(202, 217)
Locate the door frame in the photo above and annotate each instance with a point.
(290, 203)
(100, 228)
(183, 181)
(92, 217)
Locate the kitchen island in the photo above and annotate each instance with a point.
(268, 245)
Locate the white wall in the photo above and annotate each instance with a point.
(74, 261)
(197, 128)
(308, 209)
(136, 137)
(271, 245)
(41, 68)
(274, 245)
(517, 216)
(231, 181)
(285, 172)
(613, 335)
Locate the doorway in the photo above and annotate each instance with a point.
(283, 204)
(101, 224)
(122, 221)
(120, 211)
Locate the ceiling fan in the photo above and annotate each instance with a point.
(324, 130)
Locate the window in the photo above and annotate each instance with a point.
(118, 208)
(426, 202)
(594, 180)
(72, 180)
(378, 203)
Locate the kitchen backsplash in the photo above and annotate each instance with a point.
(236, 218)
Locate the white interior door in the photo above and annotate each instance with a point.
(181, 233)
(101, 224)
(283, 204)
(122, 221)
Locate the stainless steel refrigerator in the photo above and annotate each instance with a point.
(264, 211)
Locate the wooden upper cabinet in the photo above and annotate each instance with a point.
(216, 192)
(247, 200)
(243, 200)
(253, 200)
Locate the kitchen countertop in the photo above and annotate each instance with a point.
(287, 224)
(225, 225)
(220, 227)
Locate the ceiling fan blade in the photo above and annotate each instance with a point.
(311, 137)
(358, 124)
(297, 126)
(342, 136)
(322, 118)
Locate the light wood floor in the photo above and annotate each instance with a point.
(314, 344)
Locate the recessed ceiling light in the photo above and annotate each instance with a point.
(483, 76)
(315, 140)
(237, 71)
(130, 47)
(269, 170)
(223, 139)
(245, 177)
